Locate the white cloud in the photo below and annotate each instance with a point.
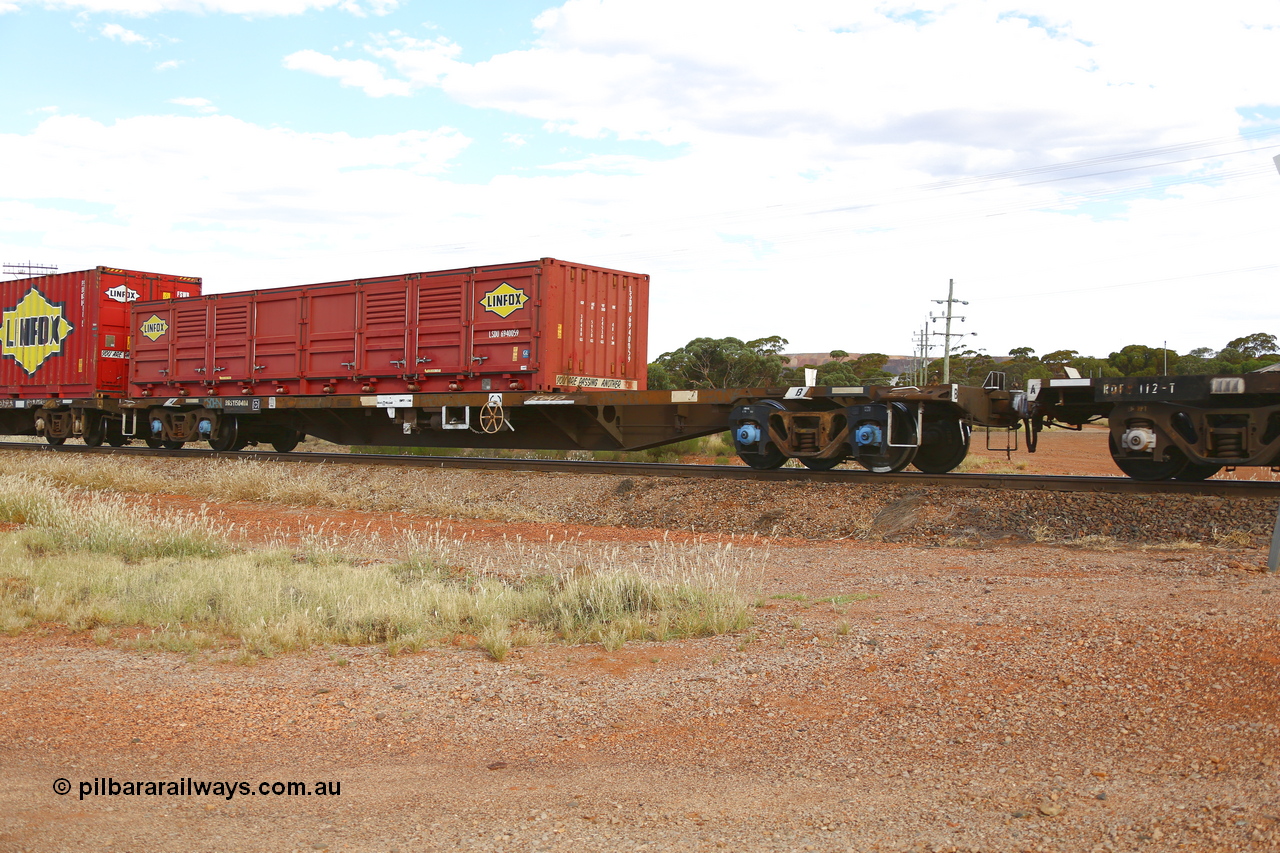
(115, 32)
(424, 62)
(1002, 83)
(217, 186)
(201, 105)
(820, 170)
(168, 65)
(360, 73)
(264, 8)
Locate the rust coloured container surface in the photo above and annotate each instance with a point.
(530, 326)
(67, 335)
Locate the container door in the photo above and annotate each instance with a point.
(151, 344)
(277, 319)
(190, 340)
(443, 309)
(385, 329)
(115, 291)
(330, 347)
(505, 303)
(229, 349)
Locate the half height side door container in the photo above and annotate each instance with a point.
(534, 326)
(67, 335)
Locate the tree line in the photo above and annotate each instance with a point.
(761, 363)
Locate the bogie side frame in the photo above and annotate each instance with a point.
(1169, 427)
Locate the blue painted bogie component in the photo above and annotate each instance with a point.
(748, 433)
(868, 434)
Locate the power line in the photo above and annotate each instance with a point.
(1193, 276)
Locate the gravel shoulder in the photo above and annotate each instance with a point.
(949, 688)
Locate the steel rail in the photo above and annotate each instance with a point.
(1007, 482)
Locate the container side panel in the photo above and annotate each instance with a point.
(441, 324)
(115, 291)
(549, 345)
(595, 327)
(638, 328)
(329, 347)
(385, 329)
(189, 340)
(277, 322)
(155, 341)
(505, 320)
(46, 334)
(230, 339)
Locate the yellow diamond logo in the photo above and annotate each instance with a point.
(154, 327)
(33, 330)
(503, 300)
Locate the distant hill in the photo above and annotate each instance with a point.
(896, 364)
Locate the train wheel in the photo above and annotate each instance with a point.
(1149, 469)
(764, 461)
(228, 435)
(96, 433)
(943, 446)
(892, 462)
(172, 445)
(154, 443)
(288, 444)
(56, 440)
(894, 458)
(816, 464)
(1198, 471)
(117, 440)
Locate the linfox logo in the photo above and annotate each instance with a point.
(122, 294)
(504, 300)
(154, 327)
(33, 330)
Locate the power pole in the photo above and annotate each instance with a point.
(922, 352)
(948, 335)
(29, 269)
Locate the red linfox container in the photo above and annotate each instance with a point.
(67, 335)
(531, 326)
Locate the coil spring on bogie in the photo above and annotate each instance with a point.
(1227, 445)
(806, 440)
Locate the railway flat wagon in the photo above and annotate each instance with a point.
(534, 326)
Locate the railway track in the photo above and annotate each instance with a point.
(1010, 482)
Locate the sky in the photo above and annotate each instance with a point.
(1090, 175)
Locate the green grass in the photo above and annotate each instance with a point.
(848, 598)
(91, 562)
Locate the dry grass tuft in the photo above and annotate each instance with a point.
(86, 560)
(441, 493)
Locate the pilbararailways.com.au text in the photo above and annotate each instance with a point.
(188, 787)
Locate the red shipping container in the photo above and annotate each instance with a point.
(67, 334)
(526, 326)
